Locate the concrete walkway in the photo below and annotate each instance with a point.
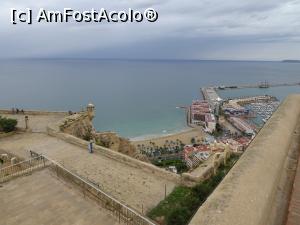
(40, 199)
(132, 186)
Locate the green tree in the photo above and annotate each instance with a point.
(193, 140)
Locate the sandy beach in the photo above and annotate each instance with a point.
(184, 136)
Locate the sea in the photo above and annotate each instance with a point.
(136, 98)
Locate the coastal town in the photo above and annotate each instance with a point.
(219, 124)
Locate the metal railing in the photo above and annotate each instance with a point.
(118, 209)
(21, 168)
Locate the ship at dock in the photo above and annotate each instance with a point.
(264, 84)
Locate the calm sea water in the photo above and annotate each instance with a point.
(134, 98)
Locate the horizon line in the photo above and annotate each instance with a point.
(145, 59)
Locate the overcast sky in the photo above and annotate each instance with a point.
(186, 29)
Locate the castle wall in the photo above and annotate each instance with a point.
(53, 130)
(256, 189)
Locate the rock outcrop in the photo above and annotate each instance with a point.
(80, 125)
(112, 141)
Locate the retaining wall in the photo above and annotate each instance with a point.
(53, 130)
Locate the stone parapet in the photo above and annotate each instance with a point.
(53, 130)
(249, 193)
(33, 112)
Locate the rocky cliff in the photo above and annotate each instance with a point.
(81, 126)
(112, 141)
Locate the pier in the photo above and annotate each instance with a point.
(211, 96)
(252, 99)
(260, 85)
(187, 110)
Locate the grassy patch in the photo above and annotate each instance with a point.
(179, 207)
(174, 200)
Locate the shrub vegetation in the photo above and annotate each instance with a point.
(180, 206)
(7, 124)
(179, 164)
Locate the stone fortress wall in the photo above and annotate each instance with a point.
(257, 189)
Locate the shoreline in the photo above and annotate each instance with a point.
(186, 129)
(161, 135)
(184, 136)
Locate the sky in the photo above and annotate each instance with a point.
(185, 29)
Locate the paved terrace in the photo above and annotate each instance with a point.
(38, 122)
(134, 187)
(41, 199)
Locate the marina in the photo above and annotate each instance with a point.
(247, 114)
(264, 110)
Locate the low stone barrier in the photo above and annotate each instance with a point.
(186, 179)
(189, 179)
(123, 212)
(3, 135)
(33, 112)
(53, 130)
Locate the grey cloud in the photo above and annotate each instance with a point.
(185, 29)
